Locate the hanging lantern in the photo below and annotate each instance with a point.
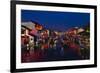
(38, 27)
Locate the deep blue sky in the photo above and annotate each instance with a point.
(56, 20)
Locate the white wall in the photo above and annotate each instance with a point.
(5, 35)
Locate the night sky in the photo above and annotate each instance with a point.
(60, 21)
